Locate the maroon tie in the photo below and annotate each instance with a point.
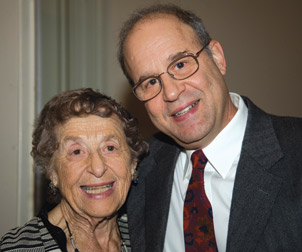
(198, 218)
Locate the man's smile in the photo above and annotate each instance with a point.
(186, 110)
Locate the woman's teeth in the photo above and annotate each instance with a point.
(187, 109)
(97, 189)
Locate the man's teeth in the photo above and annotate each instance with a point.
(184, 111)
(97, 189)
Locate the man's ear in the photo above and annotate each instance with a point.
(218, 56)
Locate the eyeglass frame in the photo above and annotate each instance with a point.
(194, 55)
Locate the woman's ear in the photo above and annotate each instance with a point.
(53, 176)
(134, 174)
(133, 166)
(218, 56)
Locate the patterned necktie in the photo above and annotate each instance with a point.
(198, 219)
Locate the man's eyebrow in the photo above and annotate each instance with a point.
(171, 58)
(177, 55)
(143, 77)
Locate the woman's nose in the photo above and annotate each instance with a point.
(97, 165)
(171, 88)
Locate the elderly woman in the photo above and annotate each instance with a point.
(89, 147)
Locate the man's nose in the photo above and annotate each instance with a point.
(171, 88)
(97, 165)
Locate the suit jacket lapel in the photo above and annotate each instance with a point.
(255, 187)
(158, 196)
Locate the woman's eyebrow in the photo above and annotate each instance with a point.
(72, 139)
(111, 137)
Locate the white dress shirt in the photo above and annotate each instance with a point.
(223, 155)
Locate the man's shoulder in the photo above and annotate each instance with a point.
(282, 125)
(288, 131)
(288, 123)
(284, 133)
(255, 110)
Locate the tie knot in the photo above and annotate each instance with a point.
(198, 158)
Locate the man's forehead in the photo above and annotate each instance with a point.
(160, 38)
(155, 23)
(157, 17)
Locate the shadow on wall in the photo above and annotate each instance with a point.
(41, 192)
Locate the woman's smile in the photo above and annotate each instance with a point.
(98, 189)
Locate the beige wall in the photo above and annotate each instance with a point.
(9, 111)
(16, 110)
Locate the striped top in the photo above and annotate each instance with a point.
(34, 236)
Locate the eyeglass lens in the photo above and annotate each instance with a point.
(179, 69)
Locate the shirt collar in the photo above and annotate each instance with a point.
(224, 149)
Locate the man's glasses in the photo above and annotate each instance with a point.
(179, 69)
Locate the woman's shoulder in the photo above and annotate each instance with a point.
(18, 232)
(21, 236)
(31, 235)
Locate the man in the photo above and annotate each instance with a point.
(253, 175)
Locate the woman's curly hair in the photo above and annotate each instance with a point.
(79, 103)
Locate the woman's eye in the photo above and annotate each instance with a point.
(110, 148)
(77, 152)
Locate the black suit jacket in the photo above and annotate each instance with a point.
(266, 208)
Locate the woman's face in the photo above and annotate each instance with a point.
(93, 165)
